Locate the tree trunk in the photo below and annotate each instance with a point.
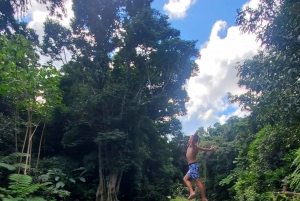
(16, 130)
(40, 145)
(29, 125)
(109, 183)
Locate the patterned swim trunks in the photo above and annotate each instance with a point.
(193, 170)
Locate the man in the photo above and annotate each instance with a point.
(191, 154)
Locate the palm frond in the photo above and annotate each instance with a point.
(21, 185)
(19, 181)
(7, 166)
(12, 157)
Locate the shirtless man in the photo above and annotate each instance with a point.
(191, 154)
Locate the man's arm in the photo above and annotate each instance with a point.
(212, 148)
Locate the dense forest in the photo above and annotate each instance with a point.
(105, 125)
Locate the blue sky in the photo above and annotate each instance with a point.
(221, 45)
(201, 16)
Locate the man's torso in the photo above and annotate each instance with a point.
(191, 154)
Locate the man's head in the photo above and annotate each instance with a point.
(193, 139)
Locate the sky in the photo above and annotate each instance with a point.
(221, 46)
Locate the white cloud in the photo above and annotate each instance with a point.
(252, 4)
(37, 13)
(217, 68)
(208, 91)
(206, 115)
(178, 8)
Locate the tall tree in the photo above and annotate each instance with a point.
(272, 81)
(127, 102)
(30, 87)
(271, 77)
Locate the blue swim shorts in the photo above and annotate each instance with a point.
(193, 171)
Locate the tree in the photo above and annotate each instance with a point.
(122, 91)
(129, 100)
(217, 165)
(271, 81)
(271, 77)
(267, 162)
(32, 88)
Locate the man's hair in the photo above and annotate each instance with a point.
(195, 138)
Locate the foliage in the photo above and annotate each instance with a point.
(113, 101)
(267, 165)
(295, 176)
(20, 187)
(23, 80)
(10, 162)
(110, 115)
(62, 182)
(33, 88)
(271, 81)
(6, 134)
(69, 180)
(271, 77)
(217, 165)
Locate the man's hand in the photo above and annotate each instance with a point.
(212, 148)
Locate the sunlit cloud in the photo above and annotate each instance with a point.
(208, 91)
(178, 8)
(38, 13)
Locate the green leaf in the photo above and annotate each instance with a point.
(81, 179)
(60, 184)
(81, 168)
(4, 190)
(72, 180)
(7, 166)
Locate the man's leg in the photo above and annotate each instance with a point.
(190, 187)
(201, 189)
